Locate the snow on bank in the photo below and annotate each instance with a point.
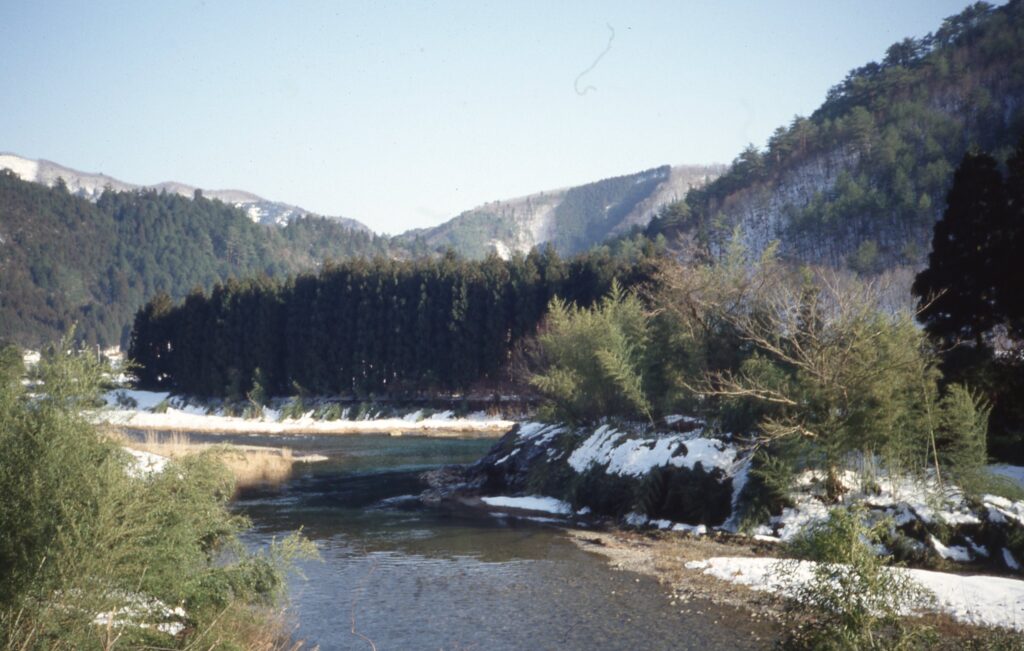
(634, 457)
(142, 612)
(979, 600)
(145, 463)
(194, 419)
(903, 499)
(530, 503)
(140, 400)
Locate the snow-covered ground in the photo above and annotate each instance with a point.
(142, 612)
(903, 499)
(530, 503)
(145, 463)
(177, 417)
(979, 600)
(625, 455)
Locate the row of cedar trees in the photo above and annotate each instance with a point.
(365, 327)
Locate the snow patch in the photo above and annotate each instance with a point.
(25, 169)
(695, 529)
(635, 519)
(143, 400)
(955, 553)
(1010, 561)
(145, 464)
(635, 457)
(978, 600)
(539, 433)
(530, 503)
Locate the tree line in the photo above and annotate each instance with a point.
(379, 326)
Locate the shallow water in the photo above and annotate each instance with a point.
(406, 576)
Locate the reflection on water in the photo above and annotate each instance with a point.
(412, 577)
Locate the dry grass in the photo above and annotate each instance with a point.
(250, 464)
(262, 629)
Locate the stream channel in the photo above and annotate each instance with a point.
(416, 577)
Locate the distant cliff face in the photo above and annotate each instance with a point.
(91, 186)
(762, 211)
(570, 219)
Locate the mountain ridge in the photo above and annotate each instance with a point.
(91, 185)
(502, 226)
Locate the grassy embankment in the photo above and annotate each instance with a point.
(251, 465)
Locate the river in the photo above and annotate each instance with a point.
(407, 576)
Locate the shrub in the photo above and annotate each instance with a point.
(82, 535)
(295, 409)
(596, 359)
(854, 599)
(961, 434)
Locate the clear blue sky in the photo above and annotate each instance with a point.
(404, 114)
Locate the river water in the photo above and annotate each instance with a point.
(395, 574)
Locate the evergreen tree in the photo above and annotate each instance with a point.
(958, 291)
(1011, 296)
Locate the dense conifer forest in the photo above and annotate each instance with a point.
(380, 326)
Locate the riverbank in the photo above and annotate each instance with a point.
(251, 465)
(664, 557)
(679, 497)
(973, 611)
(160, 412)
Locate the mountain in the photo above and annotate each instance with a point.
(860, 183)
(66, 260)
(91, 186)
(89, 249)
(571, 219)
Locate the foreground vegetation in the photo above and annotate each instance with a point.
(96, 555)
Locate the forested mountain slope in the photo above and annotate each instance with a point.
(66, 260)
(860, 182)
(88, 249)
(571, 219)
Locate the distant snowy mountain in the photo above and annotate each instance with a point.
(91, 186)
(570, 219)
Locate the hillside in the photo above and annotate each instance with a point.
(571, 219)
(89, 249)
(91, 186)
(860, 182)
(65, 260)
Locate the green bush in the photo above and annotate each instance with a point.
(295, 409)
(83, 535)
(596, 359)
(855, 600)
(960, 436)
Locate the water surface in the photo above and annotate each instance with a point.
(406, 576)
